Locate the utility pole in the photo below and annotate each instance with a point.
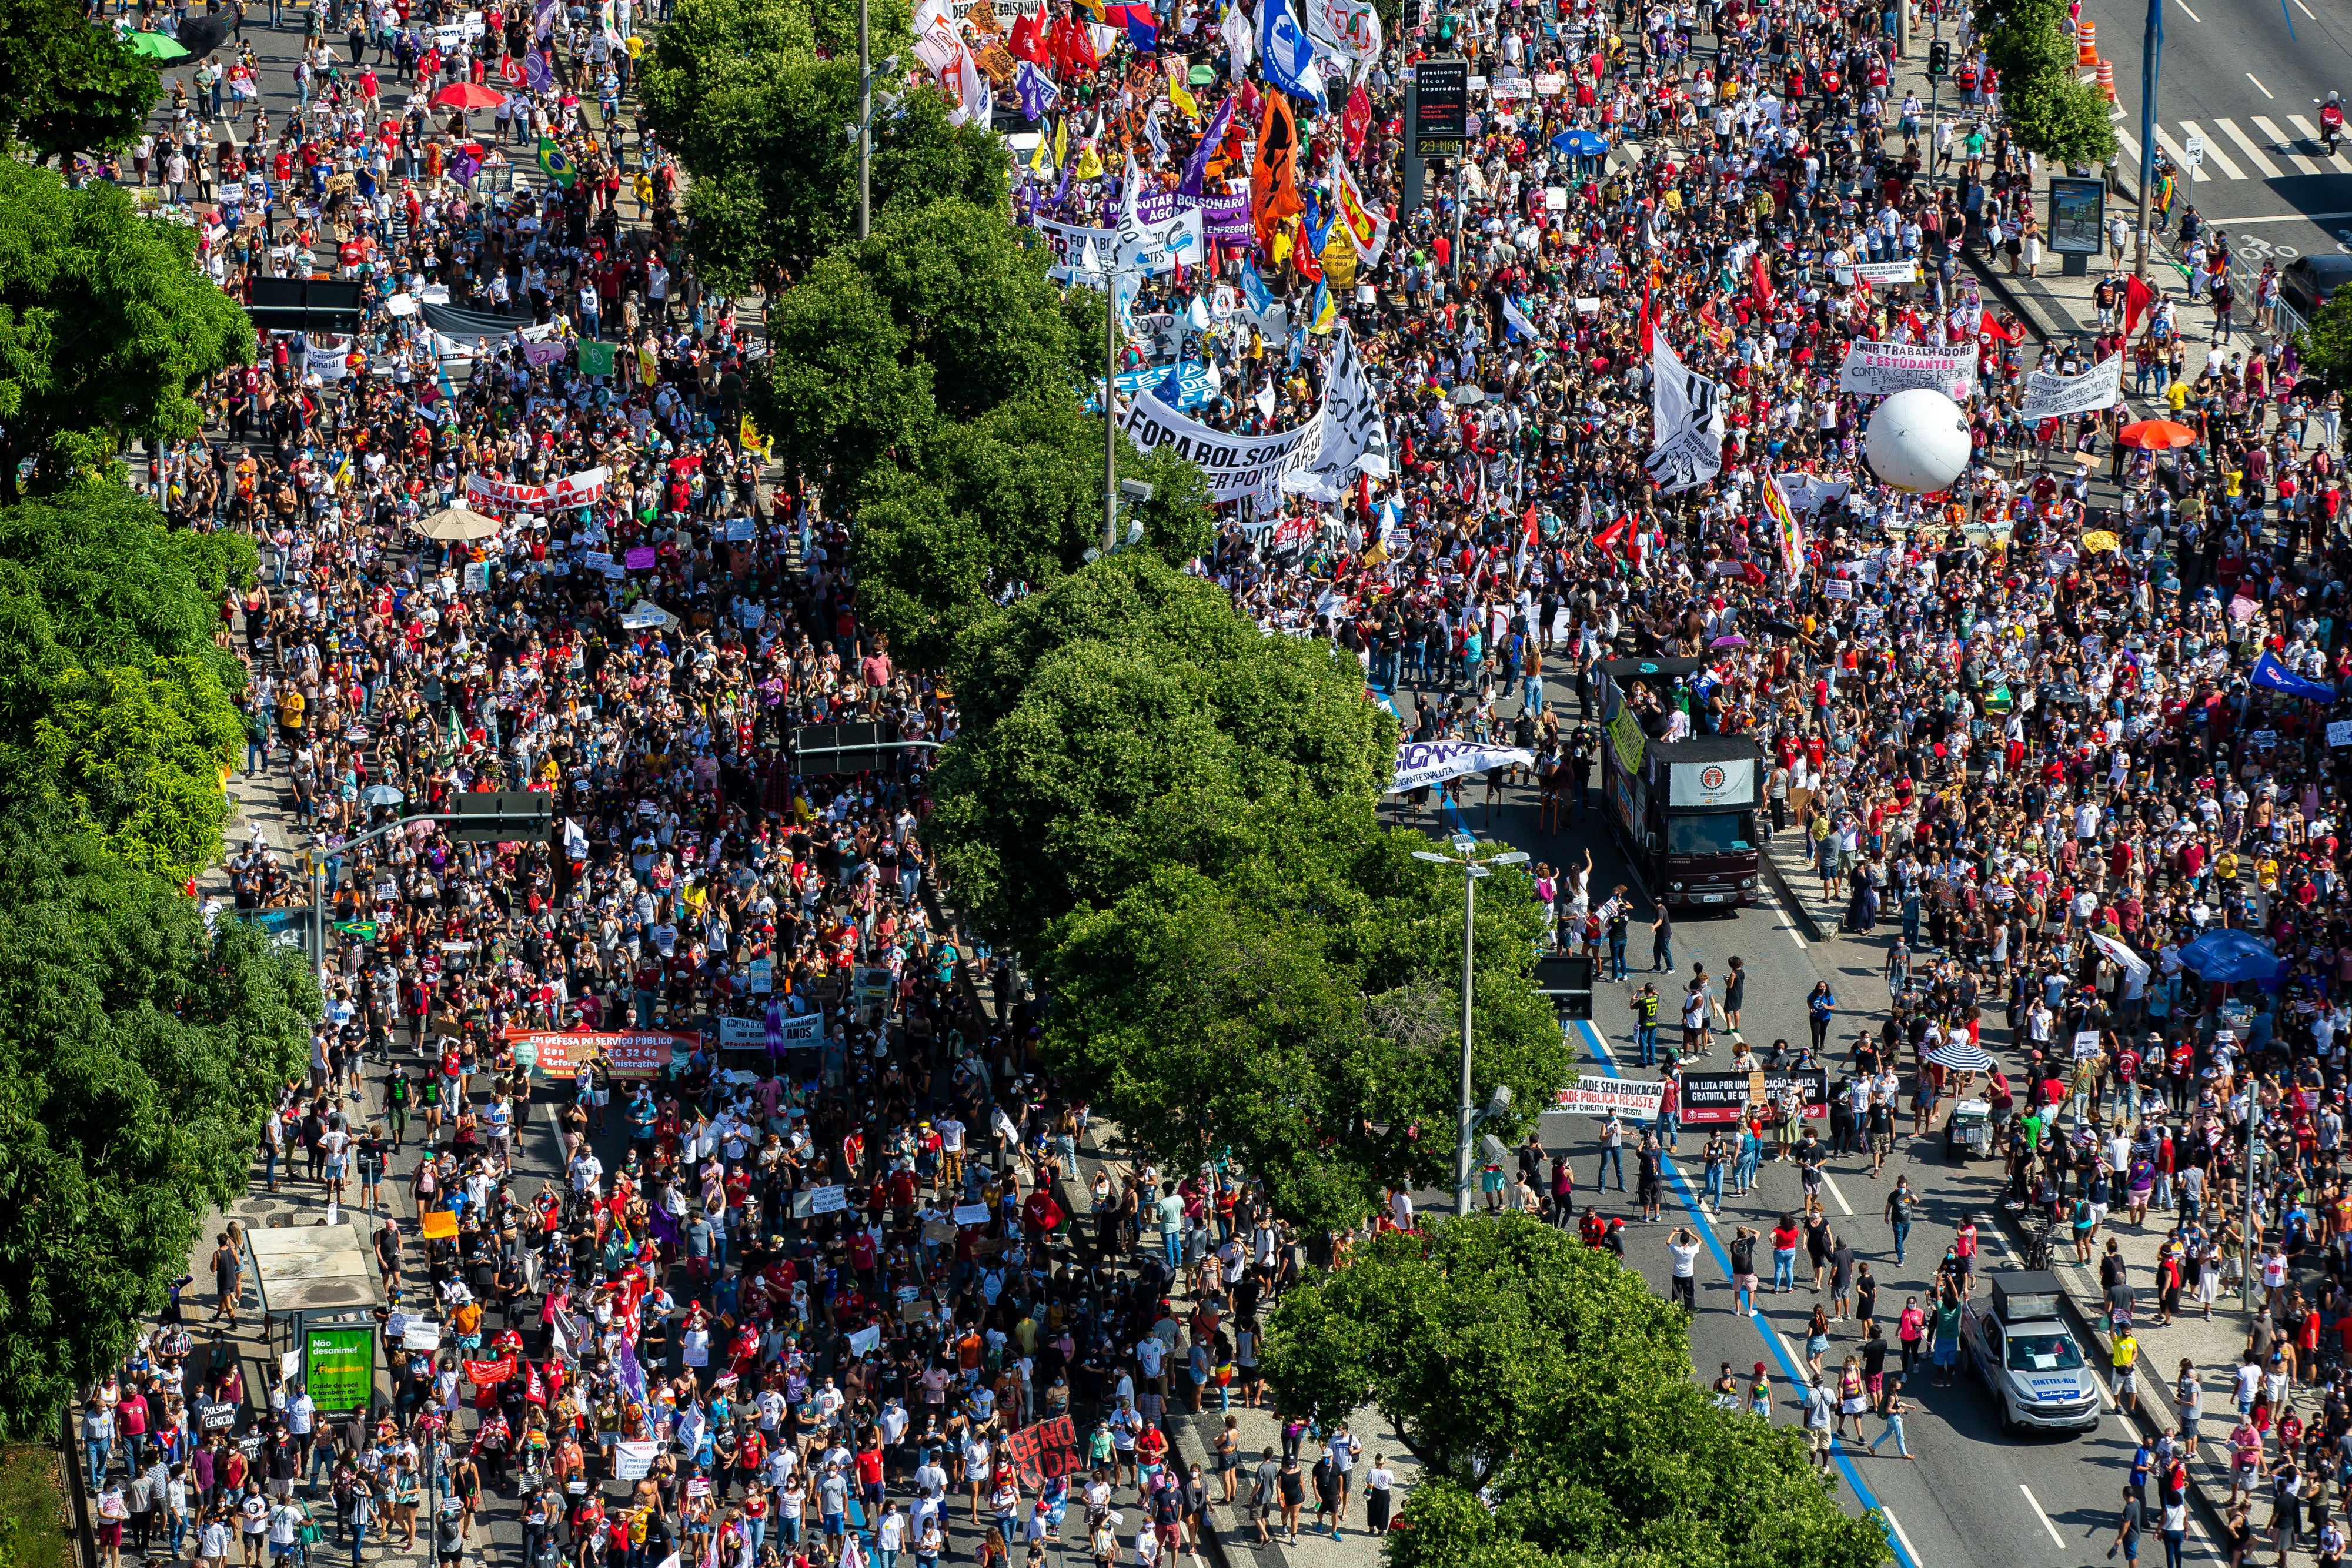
(864, 128)
(2248, 1241)
(2151, 65)
(1110, 398)
(1469, 1115)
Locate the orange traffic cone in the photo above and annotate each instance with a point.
(2086, 43)
(2107, 80)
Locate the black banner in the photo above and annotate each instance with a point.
(1724, 1097)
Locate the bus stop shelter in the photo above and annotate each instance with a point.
(320, 1294)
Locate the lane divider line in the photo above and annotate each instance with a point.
(1790, 1367)
(2055, 1539)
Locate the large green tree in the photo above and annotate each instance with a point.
(114, 699)
(1300, 1009)
(1006, 504)
(68, 85)
(1512, 1359)
(106, 328)
(139, 1053)
(1137, 746)
(755, 96)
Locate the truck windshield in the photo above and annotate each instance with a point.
(2037, 1350)
(1719, 834)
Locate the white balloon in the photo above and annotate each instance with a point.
(1917, 441)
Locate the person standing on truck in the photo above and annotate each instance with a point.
(1662, 942)
(1616, 919)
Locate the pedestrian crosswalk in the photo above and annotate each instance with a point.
(2232, 151)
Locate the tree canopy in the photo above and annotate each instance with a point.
(106, 328)
(114, 699)
(138, 1055)
(1127, 746)
(68, 85)
(755, 96)
(1512, 1358)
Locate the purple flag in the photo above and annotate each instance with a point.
(774, 1020)
(537, 72)
(1038, 93)
(631, 1376)
(1196, 168)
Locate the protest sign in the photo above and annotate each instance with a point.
(1043, 1452)
(630, 1053)
(1592, 1095)
(1717, 1097)
(1874, 370)
(2049, 396)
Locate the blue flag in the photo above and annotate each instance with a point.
(1254, 288)
(2274, 676)
(1142, 32)
(1285, 52)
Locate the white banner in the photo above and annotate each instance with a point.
(1144, 244)
(1238, 467)
(1877, 272)
(1593, 1095)
(2097, 390)
(634, 1461)
(1711, 783)
(1874, 370)
(1687, 417)
(326, 356)
(1422, 762)
(1807, 493)
(581, 489)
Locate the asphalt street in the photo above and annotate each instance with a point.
(2244, 78)
(1974, 1496)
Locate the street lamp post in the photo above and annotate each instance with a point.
(864, 128)
(2151, 67)
(1468, 1117)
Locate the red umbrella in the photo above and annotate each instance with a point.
(2157, 435)
(469, 96)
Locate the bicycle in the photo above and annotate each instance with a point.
(2037, 1253)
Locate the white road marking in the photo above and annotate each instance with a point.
(2283, 142)
(2259, 87)
(2213, 152)
(1844, 1206)
(2130, 144)
(2192, 15)
(2254, 154)
(2055, 1539)
(1795, 1359)
(2310, 133)
(2306, 10)
(1891, 1524)
(2282, 218)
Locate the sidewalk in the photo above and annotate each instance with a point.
(1194, 1438)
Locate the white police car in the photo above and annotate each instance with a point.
(2037, 1375)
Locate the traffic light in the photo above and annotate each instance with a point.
(1939, 59)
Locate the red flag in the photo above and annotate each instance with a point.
(534, 1387)
(2137, 297)
(1992, 329)
(1606, 539)
(1527, 528)
(1646, 346)
(1026, 42)
(1355, 120)
(1762, 279)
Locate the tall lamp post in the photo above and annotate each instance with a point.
(2151, 67)
(1472, 870)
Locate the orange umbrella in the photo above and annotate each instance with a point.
(2157, 435)
(468, 96)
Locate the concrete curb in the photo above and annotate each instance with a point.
(1791, 903)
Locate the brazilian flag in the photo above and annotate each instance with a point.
(556, 164)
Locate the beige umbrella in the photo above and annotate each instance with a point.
(457, 523)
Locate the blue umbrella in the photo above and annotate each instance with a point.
(1581, 143)
(2229, 955)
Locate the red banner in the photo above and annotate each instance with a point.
(487, 1372)
(1045, 1451)
(632, 1053)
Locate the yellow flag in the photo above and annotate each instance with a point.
(1339, 258)
(1089, 166)
(1177, 93)
(749, 434)
(1062, 144)
(1037, 159)
(1327, 310)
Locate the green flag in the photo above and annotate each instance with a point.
(595, 359)
(556, 164)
